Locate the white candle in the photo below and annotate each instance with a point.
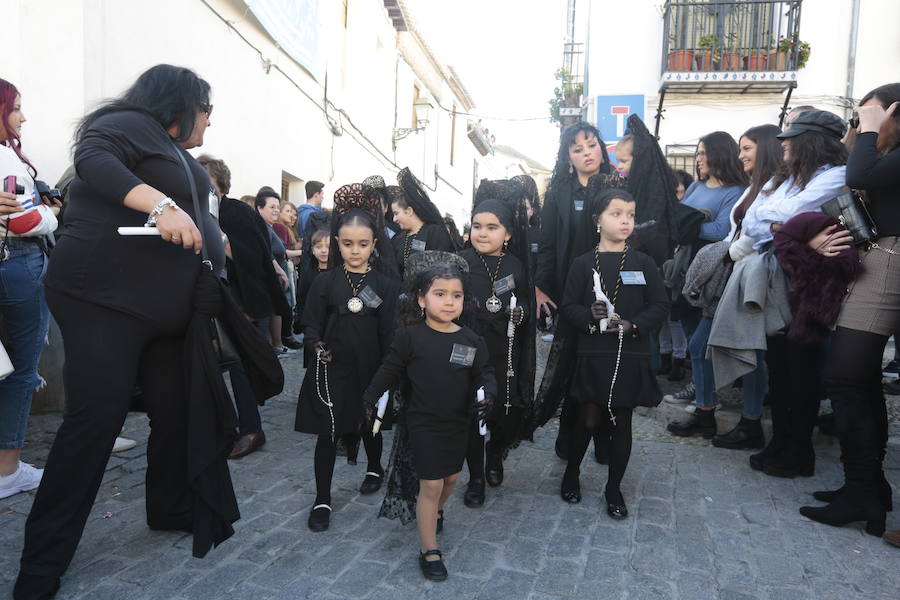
(482, 426)
(512, 302)
(598, 290)
(380, 410)
(511, 326)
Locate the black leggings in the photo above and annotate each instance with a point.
(326, 453)
(107, 353)
(854, 387)
(593, 420)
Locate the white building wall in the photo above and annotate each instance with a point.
(262, 125)
(623, 62)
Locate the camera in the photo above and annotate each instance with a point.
(48, 194)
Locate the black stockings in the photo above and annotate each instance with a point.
(592, 419)
(326, 452)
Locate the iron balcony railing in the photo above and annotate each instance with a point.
(741, 35)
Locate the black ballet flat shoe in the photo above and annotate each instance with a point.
(433, 570)
(615, 506)
(570, 490)
(35, 587)
(494, 469)
(440, 521)
(371, 484)
(319, 518)
(474, 497)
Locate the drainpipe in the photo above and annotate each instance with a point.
(851, 55)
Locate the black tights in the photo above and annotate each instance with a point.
(326, 452)
(593, 419)
(475, 453)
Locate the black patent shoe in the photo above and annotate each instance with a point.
(570, 490)
(615, 506)
(440, 521)
(371, 484)
(494, 469)
(35, 587)
(433, 570)
(474, 496)
(319, 518)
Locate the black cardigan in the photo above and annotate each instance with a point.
(879, 176)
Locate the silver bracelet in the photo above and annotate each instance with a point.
(158, 210)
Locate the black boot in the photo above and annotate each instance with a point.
(493, 466)
(747, 433)
(702, 422)
(677, 372)
(474, 496)
(797, 460)
(665, 364)
(885, 494)
(35, 587)
(857, 503)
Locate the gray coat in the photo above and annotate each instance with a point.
(753, 305)
(705, 279)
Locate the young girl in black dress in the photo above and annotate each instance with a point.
(348, 321)
(444, 364)
(498, 272)
(612, 371)
(421, 224)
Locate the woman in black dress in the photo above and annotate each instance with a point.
(498, 271)
(422, 227)
(348, 321)
(444, 364)
(612, 369)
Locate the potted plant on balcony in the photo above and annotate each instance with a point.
(731, 58)
(709, 52)
(679, 59)
(785, 49)
(567, 94)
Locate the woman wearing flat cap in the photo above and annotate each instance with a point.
(813, 173)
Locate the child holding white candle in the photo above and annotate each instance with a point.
(347, 321)
(498, 275)
(443, 364)
(621, 288)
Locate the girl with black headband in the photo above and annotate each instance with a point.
(612, 370)
(504, 317)
(348, 322)
(422, 226)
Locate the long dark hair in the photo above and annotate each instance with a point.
(809, 151)
(382, 258)
(171, 95)
(722, 159)
(566, 139)
(887, 95)
(8, 95)
(769, 158)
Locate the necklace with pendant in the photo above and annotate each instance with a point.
(493, 303)
(355, 304)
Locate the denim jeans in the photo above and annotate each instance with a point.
(756, 384)
(672, 339)
(26, 317)
(702, 371)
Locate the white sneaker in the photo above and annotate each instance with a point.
(24, 479)
(682, 396)
(121, 444)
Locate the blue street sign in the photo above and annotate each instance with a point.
(613, 113)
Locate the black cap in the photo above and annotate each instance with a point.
(820, 121)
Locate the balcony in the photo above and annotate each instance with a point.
(737, 47)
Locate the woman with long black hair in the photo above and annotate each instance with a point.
(871, 313)
(124, 305)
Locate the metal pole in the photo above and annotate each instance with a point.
(851, 55)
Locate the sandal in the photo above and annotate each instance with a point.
(433, 570)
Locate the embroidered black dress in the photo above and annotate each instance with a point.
(505, 427)
(357, 341)
(438, 409)
(644, 305)
(431, 236)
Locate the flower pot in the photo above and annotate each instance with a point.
(731, 61)
(778, 61)
(757, 61)
(681, 60)
(704, 61)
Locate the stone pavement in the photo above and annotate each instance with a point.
(702, 525)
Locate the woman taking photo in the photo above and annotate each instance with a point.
(871, 313)
(720, 182)
(22, 305)
(123, 305)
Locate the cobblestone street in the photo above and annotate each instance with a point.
(702, 525)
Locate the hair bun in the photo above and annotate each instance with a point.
(357, 195)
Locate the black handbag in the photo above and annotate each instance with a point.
(850, 210)
(222, 343)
